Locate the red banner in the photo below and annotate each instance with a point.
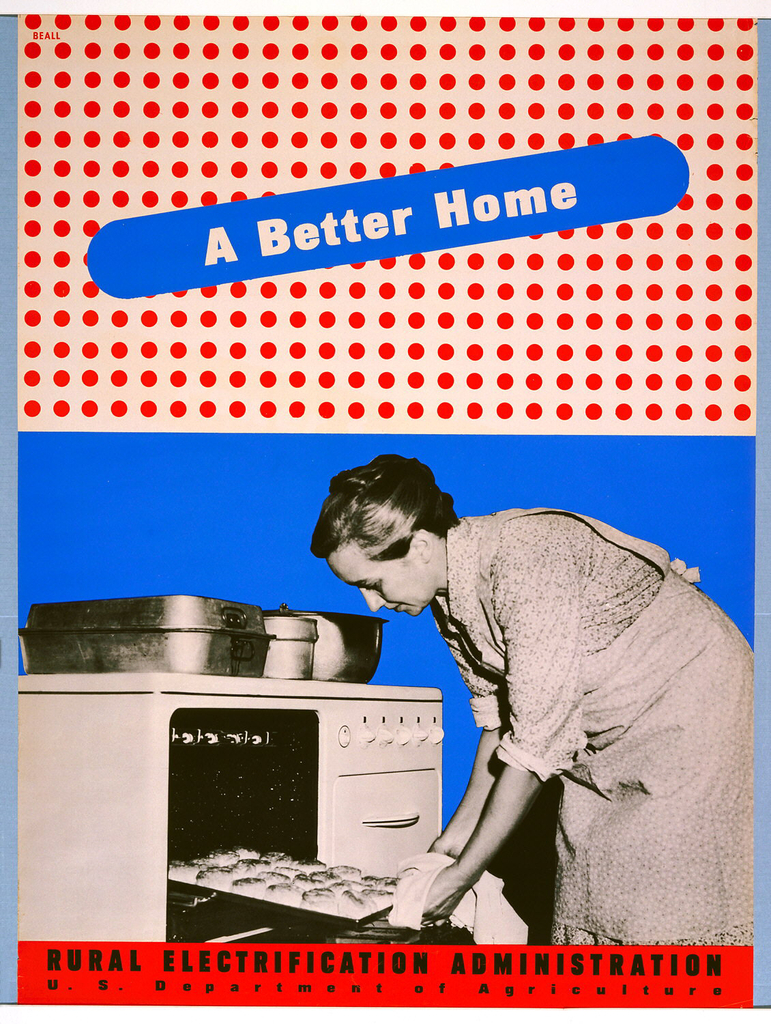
(169, 974)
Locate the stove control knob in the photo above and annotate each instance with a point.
(344, 736)
(384, 736)
(403, 735)
(366, 735)
(419, 734)
(436, 734)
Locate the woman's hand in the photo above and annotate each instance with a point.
(446, 892)
(509, 801)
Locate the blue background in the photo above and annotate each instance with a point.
(231, 516)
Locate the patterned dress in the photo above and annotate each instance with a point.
(603, 665)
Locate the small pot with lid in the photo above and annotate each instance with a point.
(291, 650)
(347, 648)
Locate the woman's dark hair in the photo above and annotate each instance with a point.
(380, 506)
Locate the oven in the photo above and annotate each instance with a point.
(121, 773)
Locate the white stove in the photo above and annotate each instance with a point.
(121, 772)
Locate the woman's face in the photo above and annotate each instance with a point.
(407, 584)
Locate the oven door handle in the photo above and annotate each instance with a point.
(403, 821)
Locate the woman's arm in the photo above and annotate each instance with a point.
(508, 802)
(483, 775)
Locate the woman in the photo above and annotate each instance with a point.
(588, 655)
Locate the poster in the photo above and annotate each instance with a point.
(210, 420)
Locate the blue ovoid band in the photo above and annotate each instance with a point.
(382, 218)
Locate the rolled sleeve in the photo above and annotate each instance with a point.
(510, 753)
(486, 711)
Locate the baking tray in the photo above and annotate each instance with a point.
(167, 611)
(175, 633)
(198, 913)
(381, 933)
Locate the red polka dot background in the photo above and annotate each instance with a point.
(643, 327)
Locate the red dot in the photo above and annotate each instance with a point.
(742, 412)
(120, 350)
(533, 411)
(177, 409)
(327, 319)
(684, 321)
(208, 379)
(119, 408)
(119, 318)
(148, 409)
(713, 412)
(32, 408)
(653, 412)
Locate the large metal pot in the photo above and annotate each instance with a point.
(348, 646)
